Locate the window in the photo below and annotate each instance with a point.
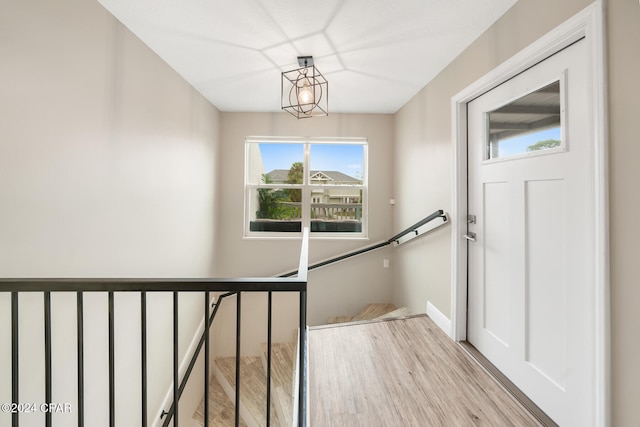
(530, 125)
(315, 183)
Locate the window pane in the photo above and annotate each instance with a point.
(528, 124)
(274, 163)
(281, 195)
(336, 164)
(336, 210)
(275, 209)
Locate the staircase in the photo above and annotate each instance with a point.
(221, 408)
(253, 400)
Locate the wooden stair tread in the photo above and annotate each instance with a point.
(253, 386)
(283, 360)
(372, 311)
(221, 409)
(398, 312)
(340, 319)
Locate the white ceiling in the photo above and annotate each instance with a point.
(376, 54)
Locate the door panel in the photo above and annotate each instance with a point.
(530, 271)
(496, 246)
(546, 281)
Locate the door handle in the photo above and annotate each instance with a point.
(470, 236)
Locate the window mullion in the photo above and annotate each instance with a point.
(306, 192)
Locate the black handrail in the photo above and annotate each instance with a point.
(437, 214)
(206, 285)
(412, 229)
(283, 283)
(251, 284)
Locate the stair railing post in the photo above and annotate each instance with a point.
(15, 372)
(206, 358)
(80, 338)
(302, 390)
(112, 375)
(47, 356)
(176, 396)
(238, 329)
(143, 357)
(269, 338)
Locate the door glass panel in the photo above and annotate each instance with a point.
(525, 126)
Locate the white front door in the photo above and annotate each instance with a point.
(530, 272)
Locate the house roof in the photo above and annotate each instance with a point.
(335, 177)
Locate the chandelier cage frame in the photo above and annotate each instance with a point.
(305, 91)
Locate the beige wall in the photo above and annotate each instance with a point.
(623, 24)
(423, 153)
(422, 168)
(341, 289)
(107, 164)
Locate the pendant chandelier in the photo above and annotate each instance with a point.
(305, 91)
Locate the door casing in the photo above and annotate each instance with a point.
(587, 24)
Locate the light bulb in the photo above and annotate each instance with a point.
(305, 93)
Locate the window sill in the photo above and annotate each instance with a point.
(265, 229)
(317, 226)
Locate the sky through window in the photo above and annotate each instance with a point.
(345, 158)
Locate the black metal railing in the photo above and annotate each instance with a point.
(227, 288)
(413, 229)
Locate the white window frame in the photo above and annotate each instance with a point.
(306, 188)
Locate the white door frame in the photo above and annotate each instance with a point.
(587, 24)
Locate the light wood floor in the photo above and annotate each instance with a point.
(403, 372)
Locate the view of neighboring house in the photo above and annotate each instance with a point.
(335, 202)
(281, 176)
(345, 201)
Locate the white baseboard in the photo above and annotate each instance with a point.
(440, 319)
